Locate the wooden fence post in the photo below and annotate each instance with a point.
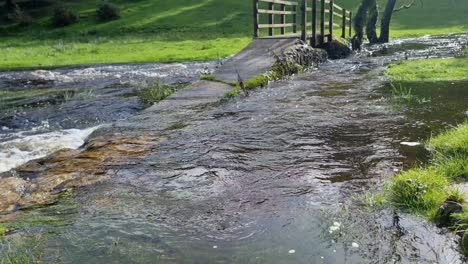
(255, 18)
(322, 22)
(330, 25)
(295, 19)
(304, 20)
(313, 41)
(271, 20)
(283, 18)
(350, 24)
(343, 32)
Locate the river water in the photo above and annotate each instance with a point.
(43, 111)
(270, 178)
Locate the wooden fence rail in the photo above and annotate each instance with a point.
(266, 13)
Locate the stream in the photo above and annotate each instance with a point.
(276, 177)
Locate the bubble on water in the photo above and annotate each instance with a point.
(335, 227)
(410, 144)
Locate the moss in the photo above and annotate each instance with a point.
(257, 81)
(44, 216)
(280, 69)
(212, 78)
(27, 249)
(177, 126)
(235, 92)
(3, 231)
(465, 243)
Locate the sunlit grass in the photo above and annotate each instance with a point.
(170, 31)
(423, 190)
(109, 50)
(454, 167)
(452, 141)
(418, 190)
(430, 70)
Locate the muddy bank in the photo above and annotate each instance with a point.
(263, 178)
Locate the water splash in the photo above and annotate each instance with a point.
(16, 152)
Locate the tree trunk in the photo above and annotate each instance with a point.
(385, 23)
(359, 22)
(371, 28)
(10, 6)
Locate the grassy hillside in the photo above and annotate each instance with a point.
(173, 30)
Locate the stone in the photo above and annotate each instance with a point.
(336, 50)
(70, 169)
(298, 57)
(444, 214)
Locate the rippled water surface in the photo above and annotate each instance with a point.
(273, 177)
(43, 111)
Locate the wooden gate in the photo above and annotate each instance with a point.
(317, 20)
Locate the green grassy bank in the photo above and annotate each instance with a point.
(431, 70)
(423, 190)
(169, 30)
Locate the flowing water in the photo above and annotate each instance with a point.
(269, 178)
(43, 111)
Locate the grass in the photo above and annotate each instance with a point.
(401, 92)
(281, 68)
(212, 78)
(253, 83)
(170, 31)
(152, 92)
(430, 70)
(452, 142)
(3, 231)
(418, 190)
(423, 190)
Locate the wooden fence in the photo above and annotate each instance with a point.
(318, 19)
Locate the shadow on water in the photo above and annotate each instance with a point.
(271, 178)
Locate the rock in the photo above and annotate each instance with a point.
(12, 189)
(298, 57)
(40, 180)
(336, 50)
(307, 56)
(444, 214)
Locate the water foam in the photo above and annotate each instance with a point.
(16, 152)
